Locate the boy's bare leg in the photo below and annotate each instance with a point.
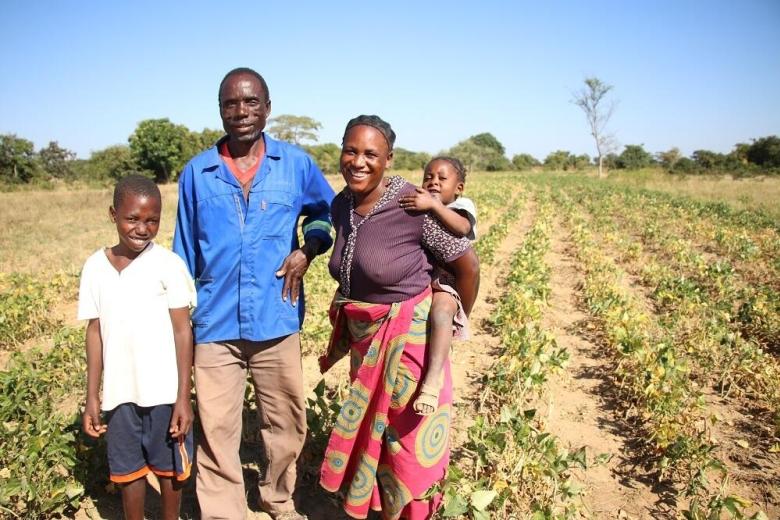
(170, 491)
(133, 496)
(443, 309)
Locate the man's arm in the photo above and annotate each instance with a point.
(315, 207)
(466, 269)
(90, 419)
(181, 419)
(456, 223)
(183, 235)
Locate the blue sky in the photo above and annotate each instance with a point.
(691, 74)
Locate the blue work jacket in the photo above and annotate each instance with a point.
(234, 246)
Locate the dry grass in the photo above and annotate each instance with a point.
(756, 193)
(47, 231)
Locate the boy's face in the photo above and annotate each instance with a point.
(137, 221)
(441, 181)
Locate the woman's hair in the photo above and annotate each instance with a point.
(455, 162)
(135, 185)
(375, 122)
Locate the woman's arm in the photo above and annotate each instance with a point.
(466, 270)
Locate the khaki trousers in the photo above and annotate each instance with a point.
(220, 382)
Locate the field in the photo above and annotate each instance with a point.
(625, 358)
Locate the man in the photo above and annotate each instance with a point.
(236, 229)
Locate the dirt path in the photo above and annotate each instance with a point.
(580, 404)
(472, 358)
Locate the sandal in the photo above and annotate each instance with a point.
(290, 515)
(427, 401)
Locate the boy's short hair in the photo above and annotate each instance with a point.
(135, 185)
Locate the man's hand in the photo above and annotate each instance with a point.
(293, 269)
(90, 420)
(420, 201)
(181, 418)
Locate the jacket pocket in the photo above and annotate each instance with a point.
(276, 213)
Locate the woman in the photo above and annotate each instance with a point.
(383, 454)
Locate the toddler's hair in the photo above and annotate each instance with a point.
(455, 162)
(375, 122)
(135, 185)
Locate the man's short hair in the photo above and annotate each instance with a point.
(135, 185)
(244, 70)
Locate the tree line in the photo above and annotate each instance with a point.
(159, 149)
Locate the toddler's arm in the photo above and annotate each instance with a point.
(455, 222)
(182, 417)
(90, 419)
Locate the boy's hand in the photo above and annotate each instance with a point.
(420, 201)
(181, 419)
(90, 420)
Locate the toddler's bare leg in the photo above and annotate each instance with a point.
(443, 309)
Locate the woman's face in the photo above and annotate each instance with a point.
(364, 157)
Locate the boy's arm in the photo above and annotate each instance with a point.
(453, 221)
(182, 417)
(90, 419)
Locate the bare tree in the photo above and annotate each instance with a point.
(592, 99)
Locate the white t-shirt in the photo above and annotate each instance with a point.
(467, 205)
(139, 354)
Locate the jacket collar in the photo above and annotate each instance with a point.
(212, 159)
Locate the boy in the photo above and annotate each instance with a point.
(137, 297)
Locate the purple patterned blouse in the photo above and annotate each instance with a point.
(391, 257)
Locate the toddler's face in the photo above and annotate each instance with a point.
(137, 219)
(441, 181)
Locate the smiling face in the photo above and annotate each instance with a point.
(137, 219)
(442, 182)
(365, 155)
(244, 107)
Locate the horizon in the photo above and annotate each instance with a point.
(439, 73)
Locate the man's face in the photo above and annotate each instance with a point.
(243, 107)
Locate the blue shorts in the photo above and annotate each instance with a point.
(139, 442)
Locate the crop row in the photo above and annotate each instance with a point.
(515, 466)
(697, 298)
(653, 373)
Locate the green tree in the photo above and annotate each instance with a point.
(327, 157)
(598, 108)
(407, 160)
(488, 140)
(560, 160)
(161, 147)
(669, 158)
(708, 160)
(634, 157)
(294, 129)
(17, 159)
(113, 163)
(765, 152)
(205, 139)
(525, 161)
(56, 161)
(481, 152)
